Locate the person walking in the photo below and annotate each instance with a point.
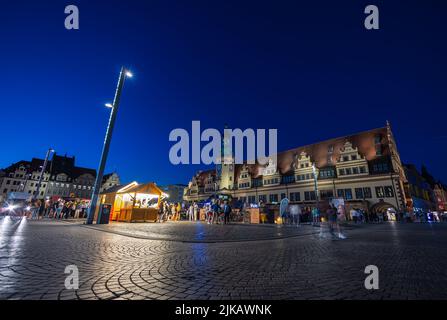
(227, 212)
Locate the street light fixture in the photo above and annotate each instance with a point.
(124, 73)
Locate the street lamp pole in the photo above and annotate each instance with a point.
(105, 150)
(50, 150)
(314, 171)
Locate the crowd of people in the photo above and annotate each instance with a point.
(53, 209)
(216, 211)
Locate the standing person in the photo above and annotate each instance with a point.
(227, 211)
(353, 212)
(173, 212)
(160, 212)
(72, 209)
(196, 211)
(77, 210)
(35, 210)
(315, 216)
(215, 208)
(191, 213)
(179, 210)
(341, 217)
(41, 209)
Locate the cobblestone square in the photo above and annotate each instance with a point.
(198, 261)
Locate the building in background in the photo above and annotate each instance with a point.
(175, 192)
(363, 169)
(110, 180)
(62, 178)
(421, 198)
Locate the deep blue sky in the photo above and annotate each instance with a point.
(308, 68)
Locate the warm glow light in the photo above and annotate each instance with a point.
(109, 105)
(28, 208)
(11, 207)
(131, 185)
(129, 74)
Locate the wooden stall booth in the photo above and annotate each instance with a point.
(134, 202)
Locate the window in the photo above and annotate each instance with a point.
(326, 194)
(273, 198)
(378, 139)
(295, 196)
(348, 194)
(309, 195)
(354, 157)
(251, 199)
(287, 179)
(378, 150)
(345, 158)
(389, 192)
(362, 169)
(367, 192)
(359, 193)
(341, 172)
(345, 193)
(5, 190)
(257, 182)
(262, 198)
(381, 167)
(379, 192)
(348, 171)
(327, 173)
(8, 181)
(283, 196)
(355, 170)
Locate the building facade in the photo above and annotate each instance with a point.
(62, 178)
(364, 169)
(175, 192)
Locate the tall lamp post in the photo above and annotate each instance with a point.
(44, 166)
(124, 73)
(314, 171)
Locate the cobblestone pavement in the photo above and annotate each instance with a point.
(411, 258)
(202, 232)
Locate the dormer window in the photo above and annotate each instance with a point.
(378, 139)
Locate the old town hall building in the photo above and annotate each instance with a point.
(364, 169)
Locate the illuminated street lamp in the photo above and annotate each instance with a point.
(105, 150)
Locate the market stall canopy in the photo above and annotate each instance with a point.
(120, 188)
(147, 188)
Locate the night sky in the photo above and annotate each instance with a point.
(308, 68)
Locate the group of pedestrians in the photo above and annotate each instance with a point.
(218, 212)
(173, 211)
(60, 209)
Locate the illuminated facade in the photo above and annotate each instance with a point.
(61, 179)
(364, 169)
